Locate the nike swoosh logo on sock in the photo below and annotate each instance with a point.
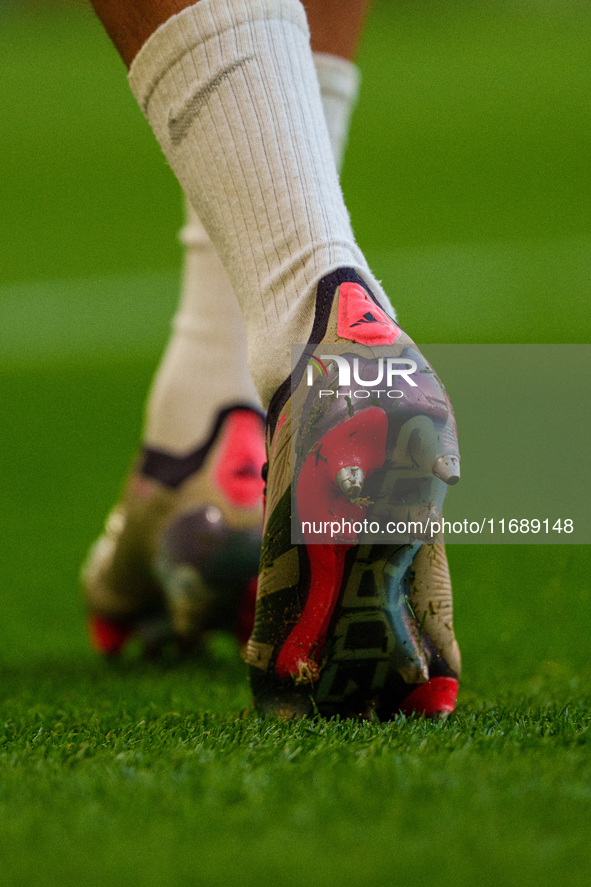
(179, 122)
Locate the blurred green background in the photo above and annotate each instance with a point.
(468, 178)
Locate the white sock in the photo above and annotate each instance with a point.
(180, 410)
(204, 367)
(339, 87)
(230, 89)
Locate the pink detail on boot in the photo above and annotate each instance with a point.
(358, 441)
(437, 696)
(361, 320)
(241, 456)
(107, 637)
(299, 656)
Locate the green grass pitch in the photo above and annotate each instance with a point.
(468, 179)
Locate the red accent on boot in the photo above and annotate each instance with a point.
(245, 620)
(358, 441)
(360, 319)
(107, 637)
(240, 460)
(300, 653)
(437, 696)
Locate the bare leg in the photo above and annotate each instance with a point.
(336, 26)
(129, 23)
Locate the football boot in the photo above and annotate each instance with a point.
(179, 553)
(353, 611)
